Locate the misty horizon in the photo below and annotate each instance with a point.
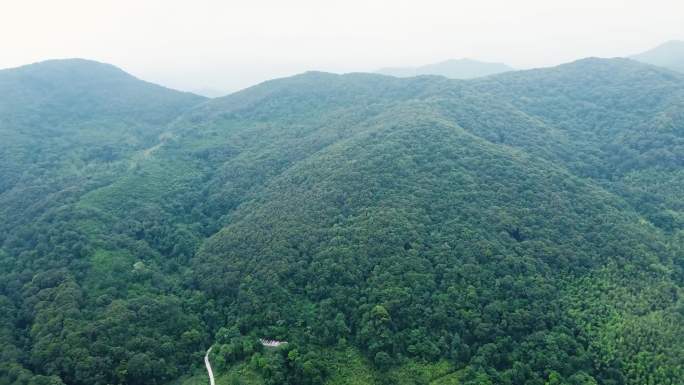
(221, 48)
(212, 92)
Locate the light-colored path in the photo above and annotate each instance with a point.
(208, 365)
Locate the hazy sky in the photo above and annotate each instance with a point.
(232, 44)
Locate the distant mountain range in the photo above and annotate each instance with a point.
(209, 92)
(453, 69)
(669, 55)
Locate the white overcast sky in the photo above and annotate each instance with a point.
(231, 44)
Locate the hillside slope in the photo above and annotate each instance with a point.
(396, 220)
(67, 127)
(65, 122)
(615, 121)
(501, 230)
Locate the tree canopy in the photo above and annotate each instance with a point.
(521, 228)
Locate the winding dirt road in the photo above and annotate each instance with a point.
(208, 365)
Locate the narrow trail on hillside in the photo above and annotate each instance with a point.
(208, 365)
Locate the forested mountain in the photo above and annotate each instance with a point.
(524, 228)
(66, 123)
(453, 69)
(669, 55)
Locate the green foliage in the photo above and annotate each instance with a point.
(521, 229)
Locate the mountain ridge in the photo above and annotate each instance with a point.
(495, 230)
(453, 68)
(669, 55)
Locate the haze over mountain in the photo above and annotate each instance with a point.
(520, 228)
(453, 69)
(669, 55)
(237, 44)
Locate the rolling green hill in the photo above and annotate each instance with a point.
(521, 228)
(67, 123)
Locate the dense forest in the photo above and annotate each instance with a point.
(522, 228)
